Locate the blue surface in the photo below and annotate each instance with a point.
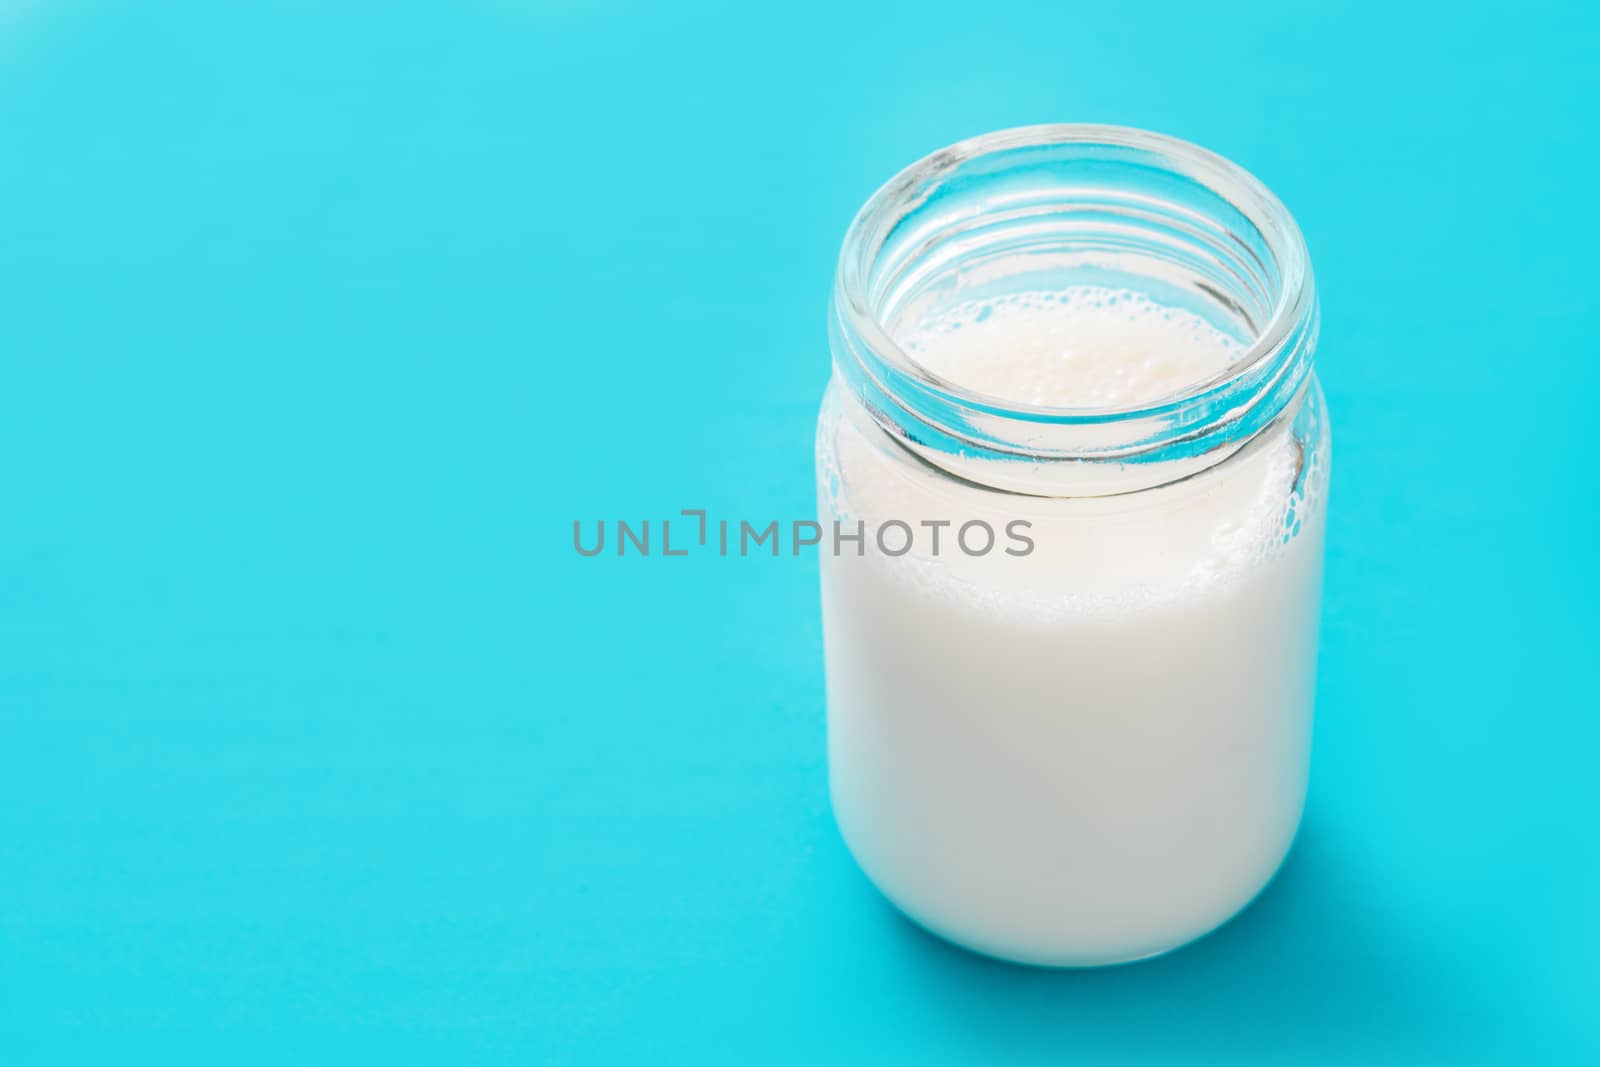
(320, 323)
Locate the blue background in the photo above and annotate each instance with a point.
(321, 322)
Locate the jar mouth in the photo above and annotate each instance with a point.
(1071, 200)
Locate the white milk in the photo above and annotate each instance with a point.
(1097, 751)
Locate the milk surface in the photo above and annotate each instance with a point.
(1081, 347)
(1098, 751)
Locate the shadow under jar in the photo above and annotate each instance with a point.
(1072, 468)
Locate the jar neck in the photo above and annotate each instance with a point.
(1052, 206)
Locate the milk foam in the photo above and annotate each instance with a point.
(1081, 347)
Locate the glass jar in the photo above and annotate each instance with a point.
(1070, 650)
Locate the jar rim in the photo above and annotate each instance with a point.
(1293, 299)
